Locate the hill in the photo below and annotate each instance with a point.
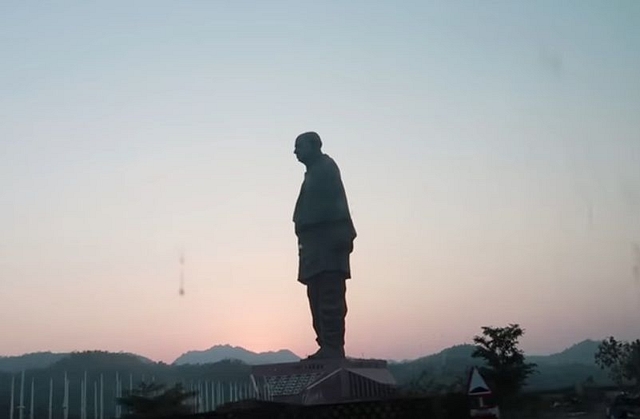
(563, 369)
(226, 352)
(580, 353)
(30, 361)
(443, 368)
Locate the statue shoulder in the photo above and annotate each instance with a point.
(328, 167)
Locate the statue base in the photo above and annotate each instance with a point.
(323, 381)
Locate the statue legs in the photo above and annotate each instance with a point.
(326, 292)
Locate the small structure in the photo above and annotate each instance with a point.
(481, 397)
(310, 382)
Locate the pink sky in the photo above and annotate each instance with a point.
(491, 158)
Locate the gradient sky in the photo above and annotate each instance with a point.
(490, 152)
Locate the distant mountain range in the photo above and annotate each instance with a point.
(223, 352)
(563, 369)
(566, 368)
(40, 360)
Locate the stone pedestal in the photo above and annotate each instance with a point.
(324, 381)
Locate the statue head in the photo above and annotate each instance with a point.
(308, 147)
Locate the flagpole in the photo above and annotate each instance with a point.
(13, 379)
(50, 398)
(207, 407)
(32, 396)
(65, 403)
(84, 396)
(101, 397)
(117, 395)
(21, 407)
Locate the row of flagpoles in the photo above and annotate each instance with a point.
(211, 394)
(208, 396)
(21, 407)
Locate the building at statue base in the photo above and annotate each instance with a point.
(310, 382)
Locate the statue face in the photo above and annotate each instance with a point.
(303, 149)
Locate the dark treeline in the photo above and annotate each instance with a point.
(101, 370)
(439, 373)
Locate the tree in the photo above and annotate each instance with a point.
(152, 400)
(505, 368)
(621, 358)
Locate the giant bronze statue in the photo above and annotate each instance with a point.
(325, 241)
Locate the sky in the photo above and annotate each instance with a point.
(490, 152)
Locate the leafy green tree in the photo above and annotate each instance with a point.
(153, 400)
(506, 369)
(621, 358)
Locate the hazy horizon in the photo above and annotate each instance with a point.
(490, 154)
(170, 361)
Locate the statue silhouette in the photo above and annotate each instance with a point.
(325, 234)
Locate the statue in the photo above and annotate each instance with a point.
(325, 235)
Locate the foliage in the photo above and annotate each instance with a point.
(153, 400)
(560, 370)
(427, 383)
(621, 358)
(506, 368)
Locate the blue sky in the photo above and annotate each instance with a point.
(490, 151)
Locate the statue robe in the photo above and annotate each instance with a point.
(323, 223)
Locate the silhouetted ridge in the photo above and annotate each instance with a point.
(30, 361)
(223, 352)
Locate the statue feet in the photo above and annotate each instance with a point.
(327, 353)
